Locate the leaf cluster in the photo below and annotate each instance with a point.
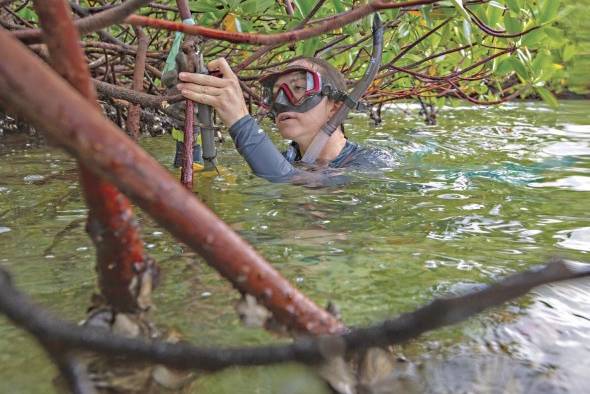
(459, 59)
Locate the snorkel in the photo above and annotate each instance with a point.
(352, 99)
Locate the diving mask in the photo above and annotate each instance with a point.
(296, 89)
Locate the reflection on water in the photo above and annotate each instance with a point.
(578, 239)
(485, 193)
(577, 182)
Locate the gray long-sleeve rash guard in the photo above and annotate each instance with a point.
(267, 162)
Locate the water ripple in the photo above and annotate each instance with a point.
(577, 183)
(577, 239)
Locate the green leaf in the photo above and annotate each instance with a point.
(249, 6)
(246, 25)
(426, 15)
(513, 25)
(435, 40)
(204, 7)
(403, 30)
(520, 68)
(467, 30)
(387, 57)
(304, 6)
(504, 66)
(391, 14)
(28, 14)
(338, 6)
(533, 38)
(542, 65)
(310, 46)
(554, 34)
(231, 4)
(514, 5)
(547, 97)
(459, 7)
(493, 15)
(548, 10)
(568, 52)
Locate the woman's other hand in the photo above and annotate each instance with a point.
(224, 94)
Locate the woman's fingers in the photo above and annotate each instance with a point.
(202, 79)
(224, 94)
(222, 65)
(210, 90)
(200, 98)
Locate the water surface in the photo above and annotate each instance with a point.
(485, 193)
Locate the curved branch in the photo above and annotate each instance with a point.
(461, 94)
(277, 38)
(496, 33)
(422, 76)
(439, 313)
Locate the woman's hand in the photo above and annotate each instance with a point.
(223, 94)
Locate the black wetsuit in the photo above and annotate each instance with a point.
(267, 162)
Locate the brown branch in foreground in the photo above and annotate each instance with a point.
(120, 256)
(439, 313)
(81, 130)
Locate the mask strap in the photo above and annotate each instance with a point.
(338, 95)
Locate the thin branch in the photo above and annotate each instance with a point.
(497, 33)
(134, 111)
(143, 99)
(261, 51)
(412, 45)
(91, 23)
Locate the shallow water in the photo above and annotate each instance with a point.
(486, 192)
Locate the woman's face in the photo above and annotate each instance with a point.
(302, 126)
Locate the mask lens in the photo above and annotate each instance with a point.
(291, 90)
(291, 86)
(282, 98)
(310, 82)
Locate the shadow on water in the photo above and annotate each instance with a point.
(487, 192)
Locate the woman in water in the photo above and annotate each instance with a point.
(301, 98)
